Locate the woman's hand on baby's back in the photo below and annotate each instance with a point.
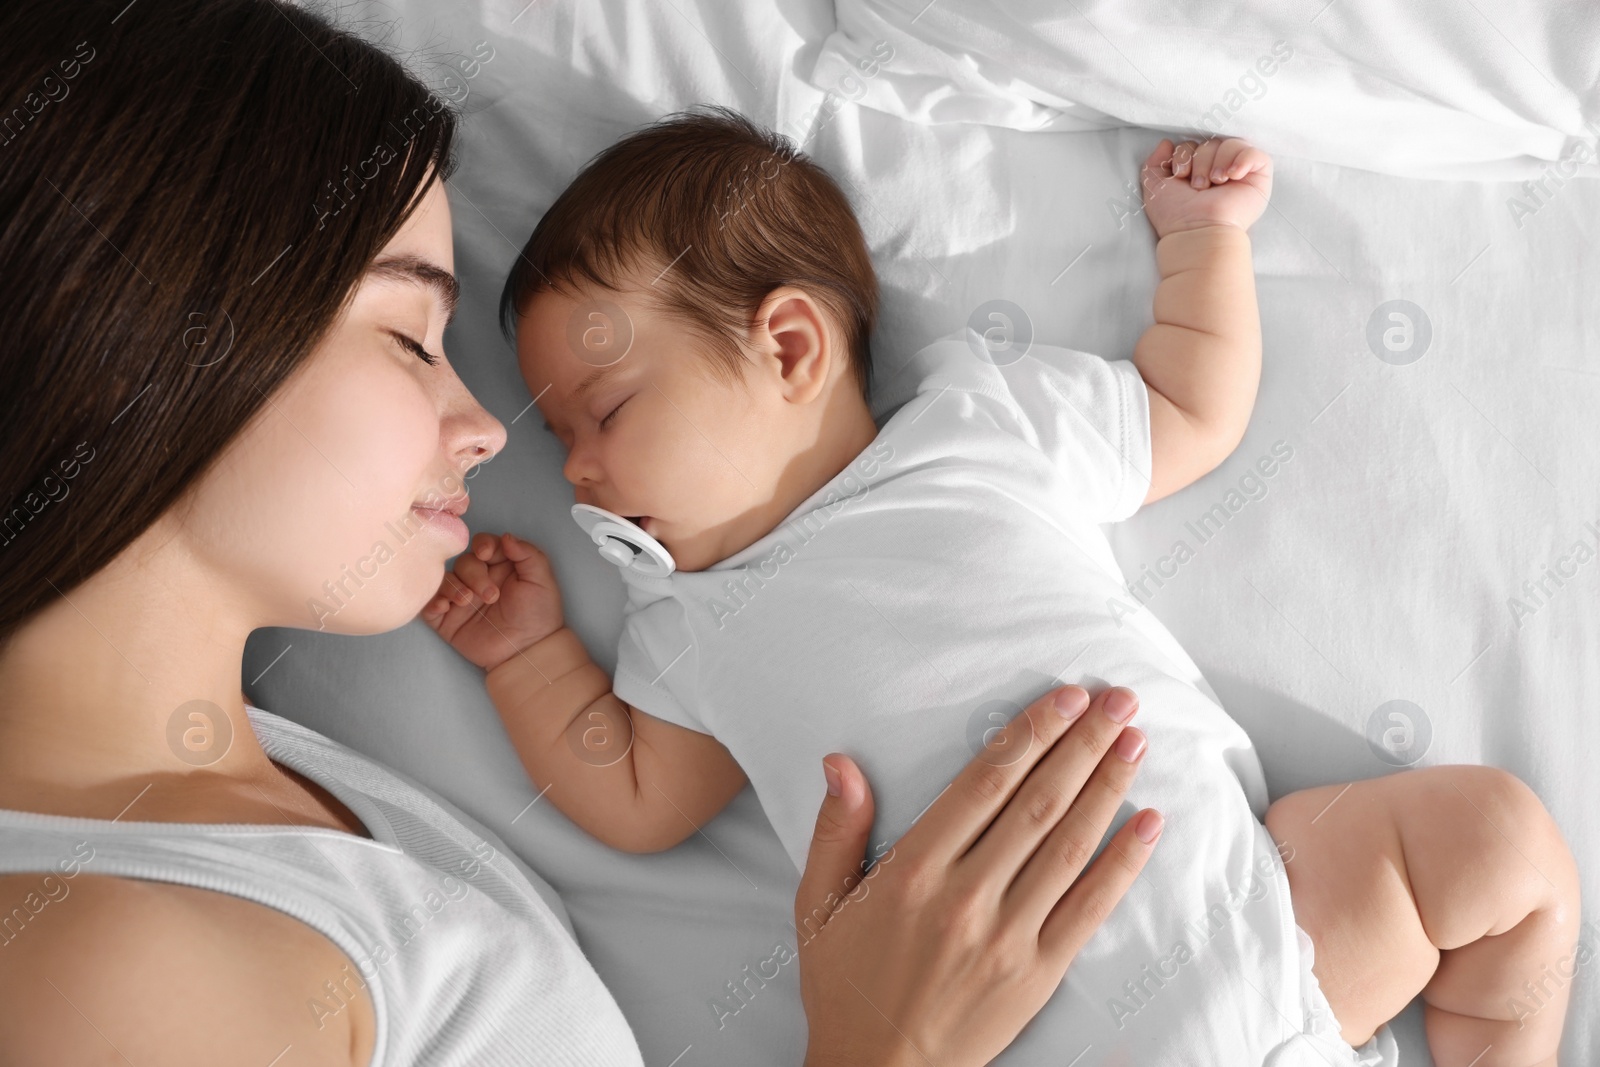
(500, 599)
(961, 932)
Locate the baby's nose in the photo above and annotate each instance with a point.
(579, 470)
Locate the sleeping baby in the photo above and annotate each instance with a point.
(892, 562)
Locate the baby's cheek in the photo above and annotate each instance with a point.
(687, 475)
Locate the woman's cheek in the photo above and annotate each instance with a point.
(382, 432)
(363, 442)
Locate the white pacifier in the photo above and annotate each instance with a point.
(624, 543)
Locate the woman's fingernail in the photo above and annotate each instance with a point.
(1071, 702)
(1120, 705)
(1130, 745)
(1147, 827)
(834, 787)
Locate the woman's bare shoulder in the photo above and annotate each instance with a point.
(96, 969)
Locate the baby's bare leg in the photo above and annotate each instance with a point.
(1449, 881)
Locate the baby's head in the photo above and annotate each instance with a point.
(692, 317)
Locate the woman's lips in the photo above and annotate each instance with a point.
(446, 521)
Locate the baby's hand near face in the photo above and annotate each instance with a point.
(500, 599)
(1225, 181)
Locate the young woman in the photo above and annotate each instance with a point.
(227, 255)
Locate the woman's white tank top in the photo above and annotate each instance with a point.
(467, 954)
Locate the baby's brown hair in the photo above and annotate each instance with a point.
(730, 211)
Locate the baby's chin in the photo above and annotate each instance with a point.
(691, 552)
(696, 547)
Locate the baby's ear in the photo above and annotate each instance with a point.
(791, 329)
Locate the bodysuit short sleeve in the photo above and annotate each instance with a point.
(1091, 416)
(657, 663)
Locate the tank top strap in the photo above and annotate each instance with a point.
(430, 905)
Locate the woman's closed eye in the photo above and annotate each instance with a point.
(415, 347)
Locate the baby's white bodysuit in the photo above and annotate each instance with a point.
(953, 573)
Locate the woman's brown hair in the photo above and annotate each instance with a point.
(189, 192)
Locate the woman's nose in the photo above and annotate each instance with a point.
(477, 436)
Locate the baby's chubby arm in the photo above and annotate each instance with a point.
(1201, 360)
(631, 780)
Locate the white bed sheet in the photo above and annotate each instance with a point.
(1376, 565)
(1496, 91)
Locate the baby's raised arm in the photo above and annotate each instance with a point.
(1201, 359)
(631, 780)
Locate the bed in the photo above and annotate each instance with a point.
(1416, 581)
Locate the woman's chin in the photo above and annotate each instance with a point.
(375, 601)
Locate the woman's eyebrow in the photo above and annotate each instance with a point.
(419, 271)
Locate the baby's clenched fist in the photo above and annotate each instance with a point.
(1225, 181)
